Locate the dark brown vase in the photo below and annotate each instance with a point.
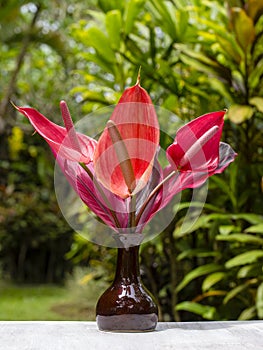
(126, 305)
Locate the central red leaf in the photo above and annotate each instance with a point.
(135, 121)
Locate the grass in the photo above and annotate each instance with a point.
(43, 302)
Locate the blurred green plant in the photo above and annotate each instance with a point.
(33, 235)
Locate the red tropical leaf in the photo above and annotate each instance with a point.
(196, 145)
(126, 149)
(60, 139)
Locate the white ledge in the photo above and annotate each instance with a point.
(60, 335)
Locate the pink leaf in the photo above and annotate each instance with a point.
(183, 180)
(85, 187)
(196, 145)
(59, 139)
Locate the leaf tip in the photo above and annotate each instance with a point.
(13, 104)
(139, 76)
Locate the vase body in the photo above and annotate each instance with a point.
(126, 305)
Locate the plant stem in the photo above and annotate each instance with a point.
(132, 219)
(122, 155)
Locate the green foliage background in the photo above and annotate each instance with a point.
(196, 56)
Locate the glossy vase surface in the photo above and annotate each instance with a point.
(126, 305)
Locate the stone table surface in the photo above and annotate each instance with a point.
(60, 335)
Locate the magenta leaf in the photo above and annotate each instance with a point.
(59, 139)
(102, 205)
(183, 180)
(196, 145)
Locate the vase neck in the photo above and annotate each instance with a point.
(128, 268)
